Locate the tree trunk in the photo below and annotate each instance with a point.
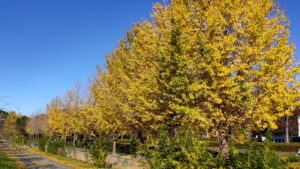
(141, 137)
(114, 150)
(207, 134)
(287, 139)
(47, 143)
(65, 139)
(74, 144)
(84, 140)
(223, 145)
(74, 139)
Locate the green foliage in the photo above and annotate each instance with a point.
(122, 149)
(257, 157)
(21, 125)
(56, 146)
(222, 67)
(291, 159)
(183, 151)
(7, 163)
(9, 128)
(13, 127)
(291, 162)
(20, 139)
(280, 147)
(133, 147)
(99, 151)
(42, 144)
(287, 147)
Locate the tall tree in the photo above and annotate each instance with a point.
(73, 106)
(225, 66)
(106, 101)
(65, 114)
(57, 118)
(232, 60)
(9, 128)
(38, 125)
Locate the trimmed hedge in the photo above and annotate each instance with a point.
(287, 147)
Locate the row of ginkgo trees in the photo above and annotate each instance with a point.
(219, 67)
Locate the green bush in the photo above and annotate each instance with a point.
(42, 144)
(183, 151)
(99, 151)
(127, 148)
(122, 148)
(292, 159)
(287, 147)
(257, 157)
(133, 147)
(291, 162)
(20, 140)
(56, 146)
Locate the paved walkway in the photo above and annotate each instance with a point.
(30, 161)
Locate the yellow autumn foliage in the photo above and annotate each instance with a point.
(213, 65)
(224, 67)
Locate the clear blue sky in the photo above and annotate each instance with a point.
(48, 45)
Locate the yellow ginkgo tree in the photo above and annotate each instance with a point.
(221, 66)
(226, 65)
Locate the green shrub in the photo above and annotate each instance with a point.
(291, 162)
(293, 159)
(42, 144)
(122, 148)
(20, 140)
(257, 157)
(133, 147)
(183, 151)
(127, 148)
(280, 147)
(287, 147)
(99, 151)
(56, 146)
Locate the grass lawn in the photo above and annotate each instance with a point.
(66, 161)
(8, 163)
